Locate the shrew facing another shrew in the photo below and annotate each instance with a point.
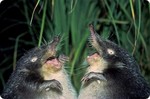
(39, 74)
(112, 73)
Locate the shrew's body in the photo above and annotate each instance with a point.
(112, 73)
(39, 74)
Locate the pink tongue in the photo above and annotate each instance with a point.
(55, 62)
(92, 57)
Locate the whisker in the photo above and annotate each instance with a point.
(110, 36)
(45, 42)
(80, 68)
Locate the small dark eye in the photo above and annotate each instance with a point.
(110, 51)
(33, 59)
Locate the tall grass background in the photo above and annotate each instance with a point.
(126, 22)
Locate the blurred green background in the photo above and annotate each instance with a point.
(29, 23)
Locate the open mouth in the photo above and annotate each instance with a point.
(95, 53)
(53, 61)
(57, 61)
(93, 58)
(50, 59)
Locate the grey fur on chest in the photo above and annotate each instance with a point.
(101, 90)
(94, 90)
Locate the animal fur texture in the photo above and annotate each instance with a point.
(112, 73)
(40, 74)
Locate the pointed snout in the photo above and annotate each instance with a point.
(95, 40)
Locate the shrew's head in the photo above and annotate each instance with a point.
(109, 55)
(43, 57)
